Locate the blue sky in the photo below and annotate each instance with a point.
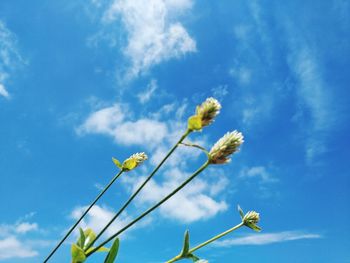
(82, 81)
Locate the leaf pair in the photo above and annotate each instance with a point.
(82, 247)
(186, 248)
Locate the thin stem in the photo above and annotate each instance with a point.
(179, 257)
(82, 216)
(139, 189)
(205, 165)
(215, 238)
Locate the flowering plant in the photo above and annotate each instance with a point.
(219, 154)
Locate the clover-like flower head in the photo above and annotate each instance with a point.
(132, 162)
(250, 219)
(208, 110)
(222, 150)
(205, 114)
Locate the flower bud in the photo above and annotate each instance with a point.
(227, 145)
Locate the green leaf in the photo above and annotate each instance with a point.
(101, 249)
(129, 164)
(89, 236)
(117, 163)
(193, 257)
(78, 255)
(194, 123)
(240, 212)
(81, 240)
(186, 244)
(254, 227)
(113, 252)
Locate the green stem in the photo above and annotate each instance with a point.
(179, 257)
(139, 189)
(215, 238)
(82, 216)
(205, 165)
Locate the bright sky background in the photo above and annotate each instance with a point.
(82, 81)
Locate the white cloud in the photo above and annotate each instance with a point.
(14, 242)
(25, 227)
(148, 93)
(257, 172)
(99, 216)
(116, 122)
(267, 238)
(3, 91)
(197, 198)
(9, 57)
(154, 33)
(11, 247)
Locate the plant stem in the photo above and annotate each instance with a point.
(189, 179)
(82, 216)
(179, 257)
(139, 189)
(215, 238)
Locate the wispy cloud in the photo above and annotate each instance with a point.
(146, 95)
(154, 32)
(9, 57)
(257, 173)
(316, 113)
(267, 238)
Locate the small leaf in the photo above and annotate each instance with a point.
(101, 249)
(254, 227)
(194, 123)
(78, 255)
(186, 244)
(193, 257)
(129, 164)
(240, 212)
(81, 240)
(113, 252)
(117, 163)
(89, 236)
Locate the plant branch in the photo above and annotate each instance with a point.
(140, 188)
(82, 216)
(205, 165)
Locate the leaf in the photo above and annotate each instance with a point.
(254, 227)
(117, 163)
(81, 240)
(240, 212)
(186, 244)
(113, 252)
(78, 255)
(101, 249)
(129, 164)
(90, 236)
(193, 257)
(194, 123)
